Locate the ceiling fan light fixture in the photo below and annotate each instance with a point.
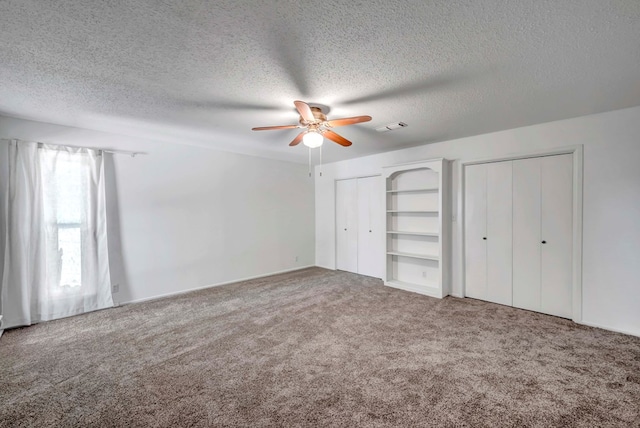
(317, 125)
(312, 139)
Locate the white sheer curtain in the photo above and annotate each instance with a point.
(56, 262)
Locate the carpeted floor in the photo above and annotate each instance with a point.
(317, 348)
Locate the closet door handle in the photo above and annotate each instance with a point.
(484, 237)
(544, 242)
(369, 230)
(345, 228)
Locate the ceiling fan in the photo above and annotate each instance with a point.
(317, 126)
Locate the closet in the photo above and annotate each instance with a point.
(359, 231)
(519, 233)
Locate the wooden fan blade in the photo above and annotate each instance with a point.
(297, 140)
(336, 138)
(305, 111)
(348, 121)
(268, 128)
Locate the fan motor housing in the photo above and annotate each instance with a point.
(317, 114)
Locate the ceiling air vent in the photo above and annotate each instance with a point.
(392, 126)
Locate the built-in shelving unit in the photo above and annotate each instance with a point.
(414, 255)
(426, 189)
(404, 232)
(413, 211)
(417, 227)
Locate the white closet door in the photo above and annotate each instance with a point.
(347, 225)
(556, 235)
(370, 233)
(499, 233)
(475, 226)
(526, 234)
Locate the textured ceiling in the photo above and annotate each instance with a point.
(205, 73)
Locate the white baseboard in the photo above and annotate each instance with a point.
(590, 324)
(175, 293)
(424, 290)
(326, 267)
(617, 330)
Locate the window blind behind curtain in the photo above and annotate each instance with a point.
(56, 260)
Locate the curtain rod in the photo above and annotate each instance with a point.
(122, 152)
(115, 152)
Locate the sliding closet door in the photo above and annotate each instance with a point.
(347, 225)
(556, 235)
(370, 234)
(475, 226)
(499, 233)
(526, 234)
(519, 233)
(543, 234)
(488, 235)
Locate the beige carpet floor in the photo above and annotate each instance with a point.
(317, 348)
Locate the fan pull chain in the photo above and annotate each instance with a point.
(320, 161)
(309, 161)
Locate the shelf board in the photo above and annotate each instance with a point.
(406, 232)
(425, 189)
(414, 255)
(411, 212)
(432, 289)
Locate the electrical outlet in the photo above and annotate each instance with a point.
(115, 288)
(424, 274)
(296, 258)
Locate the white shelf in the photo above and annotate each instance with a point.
(425, 189)
(432, 290)
(417, 207)
(412, 212)
(406, 232)
(414, 255)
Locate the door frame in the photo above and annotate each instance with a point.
(576, 269)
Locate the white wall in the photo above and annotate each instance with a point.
(611, 202)
(183, 217)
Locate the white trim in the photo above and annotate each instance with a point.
(325, 267)
(616, 330)
(578, 162)
(176, 293)
(525, 155)
(415, 162)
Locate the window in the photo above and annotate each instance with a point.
(68, 178)
(65, 197)
(57, 263)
